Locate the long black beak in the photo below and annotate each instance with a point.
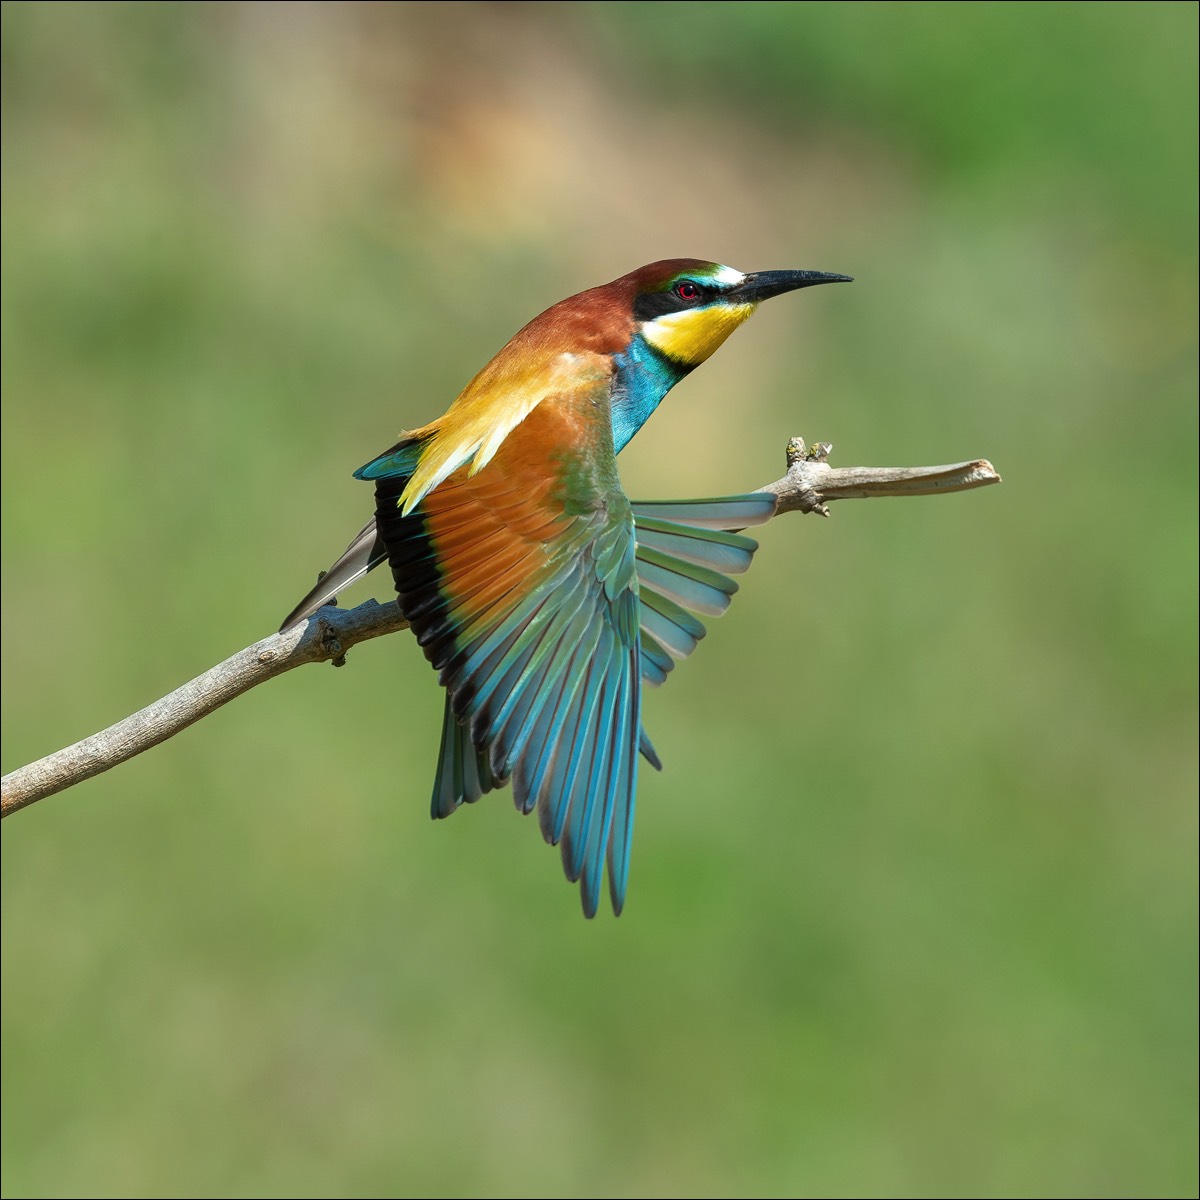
(762, 285)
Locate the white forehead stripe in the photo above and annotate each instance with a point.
(728, 275)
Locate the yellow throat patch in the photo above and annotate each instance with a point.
(693, 335)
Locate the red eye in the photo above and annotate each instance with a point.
(687, 291)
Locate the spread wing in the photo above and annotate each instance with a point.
(519, 582)
(683, 551)
(544, 599)
(685, 555)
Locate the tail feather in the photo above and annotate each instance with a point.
(463, 771)
(367, 550)
(364, 552)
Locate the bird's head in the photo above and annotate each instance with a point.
(685, 308)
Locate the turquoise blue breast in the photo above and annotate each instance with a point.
(643, 378)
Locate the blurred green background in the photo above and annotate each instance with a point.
(912, 909)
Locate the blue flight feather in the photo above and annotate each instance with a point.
(722, 512)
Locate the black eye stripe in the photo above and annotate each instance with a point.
(656, 304)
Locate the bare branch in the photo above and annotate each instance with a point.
(810, 483)
(324, 638)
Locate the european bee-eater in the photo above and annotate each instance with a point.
(541, 594)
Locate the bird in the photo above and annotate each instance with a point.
(542, 596)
